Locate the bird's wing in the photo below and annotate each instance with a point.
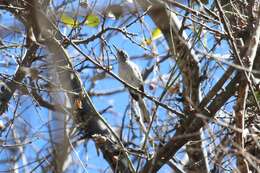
(137, 75)
(137, 79)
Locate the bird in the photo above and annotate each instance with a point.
(130, 73)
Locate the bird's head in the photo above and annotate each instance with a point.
(122, 56)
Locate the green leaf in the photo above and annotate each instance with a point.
(67, 20)
(92, 20)
(157, 33)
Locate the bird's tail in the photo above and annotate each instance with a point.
(143, 110)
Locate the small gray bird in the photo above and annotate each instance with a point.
(131, 74)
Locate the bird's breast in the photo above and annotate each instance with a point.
(128, 75)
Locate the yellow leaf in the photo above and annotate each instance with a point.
(146, 42)
(157, 33)
(67, 20)
(92, 20)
